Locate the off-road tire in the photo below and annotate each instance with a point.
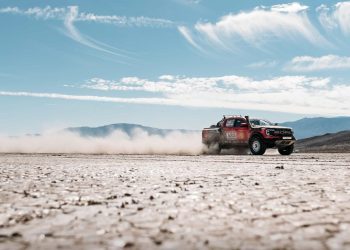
(286, 150)
(257, 145)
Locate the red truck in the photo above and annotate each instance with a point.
(241, 132)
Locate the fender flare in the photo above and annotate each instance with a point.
(256, 134)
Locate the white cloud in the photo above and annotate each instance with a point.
(295, 94)
(229, 84)
(338, 16)
(326, 20)
(37, 12)
(192, 1)
(289, 7)
(70, 15)
(87, 97)
(187, 34)
(188, 2)
(308, 63)
(166, 77)
(123, 21)
(291, 94)
(257, 27)
(61, 13)
(73, 32)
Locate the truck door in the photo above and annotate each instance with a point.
(242, 133)
(229, 131)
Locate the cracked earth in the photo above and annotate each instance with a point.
(300, 201)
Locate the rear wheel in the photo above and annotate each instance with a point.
(286, 150)
(257, 146)
(214, 149)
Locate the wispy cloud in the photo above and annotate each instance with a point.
(124, 21)
(37, 12)
(61, 13)
(263, 64)
(73, 33)
(292, 94)
(336, 16)
(188, 2)
(186, 33)
(259, 26)
(87, 97)
(309, 63)
(295, 94)
(169, 84)
(71, 15)
(289, 7)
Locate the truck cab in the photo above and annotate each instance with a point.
(257, 134)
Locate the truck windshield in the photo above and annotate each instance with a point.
(259, 122)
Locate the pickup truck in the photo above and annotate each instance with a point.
(258, 134)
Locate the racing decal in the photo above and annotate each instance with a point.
(231, 136)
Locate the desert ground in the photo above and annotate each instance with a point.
(70, 201)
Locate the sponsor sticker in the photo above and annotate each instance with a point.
(231, 136)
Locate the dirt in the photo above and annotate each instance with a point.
(63, 201)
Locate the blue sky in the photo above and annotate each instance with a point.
(170, 63)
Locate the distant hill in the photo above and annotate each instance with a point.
(303, 128)
(331, 142)
(127, 128)
(308, 127)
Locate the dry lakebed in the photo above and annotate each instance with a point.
(72, 201)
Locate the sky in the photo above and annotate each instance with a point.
(170, 63)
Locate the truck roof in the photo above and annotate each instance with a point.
(232, 116)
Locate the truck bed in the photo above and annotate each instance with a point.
(210, 135)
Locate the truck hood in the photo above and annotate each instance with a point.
(271, 126)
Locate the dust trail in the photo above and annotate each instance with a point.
(139, 142)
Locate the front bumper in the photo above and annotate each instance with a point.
(284, 143)
(279, 141)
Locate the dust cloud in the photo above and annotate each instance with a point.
(139, 142)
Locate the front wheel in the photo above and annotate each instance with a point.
(286, 150)
(257, 146)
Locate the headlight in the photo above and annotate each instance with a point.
(269, 131)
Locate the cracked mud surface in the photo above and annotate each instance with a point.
(175, 202)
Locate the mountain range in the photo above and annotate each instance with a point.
(303, 128)
(127, 128)
(331, 142)
(309, 127)
(313, 134)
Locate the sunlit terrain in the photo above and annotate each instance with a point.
(164, 201)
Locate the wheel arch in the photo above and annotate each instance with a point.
(256, 134)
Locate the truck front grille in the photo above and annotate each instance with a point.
(281, 132)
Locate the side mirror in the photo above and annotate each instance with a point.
(244, 125)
